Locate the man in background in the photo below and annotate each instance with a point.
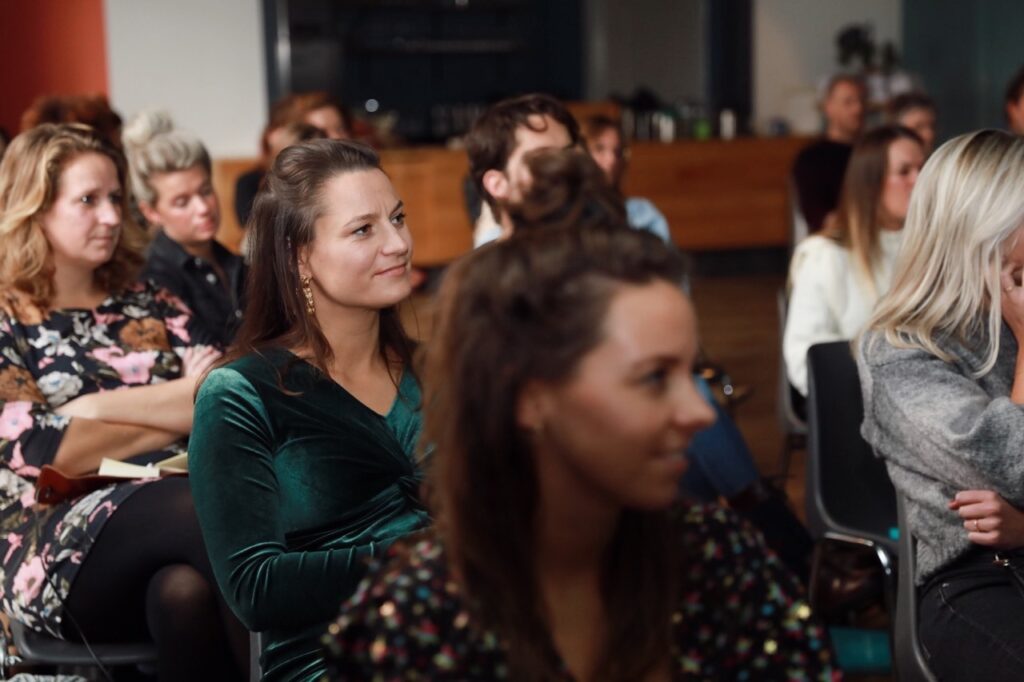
(496, 145)
(819, 168)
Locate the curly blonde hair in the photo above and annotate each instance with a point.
(29, 181)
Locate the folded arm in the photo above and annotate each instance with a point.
(238, 501)
(164, 407)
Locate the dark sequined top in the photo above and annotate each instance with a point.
(740, 616)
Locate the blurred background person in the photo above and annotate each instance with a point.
(171, 181)
(819, 168)
(496, 146)
(837, 276)
(93, 110)
(276, 137)
(915, 110)
(607, 145)
(1013, 103)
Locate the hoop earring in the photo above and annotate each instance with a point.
(307, 292)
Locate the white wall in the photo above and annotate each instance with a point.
(202, 60)
(794, 48)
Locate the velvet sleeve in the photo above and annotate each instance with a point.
(237, 498)
(30, 433)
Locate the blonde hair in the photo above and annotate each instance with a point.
(153, 146)
(965, 211)
(29, 183)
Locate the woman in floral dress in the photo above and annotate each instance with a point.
(93, 366)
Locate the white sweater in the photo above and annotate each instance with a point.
(829, 299)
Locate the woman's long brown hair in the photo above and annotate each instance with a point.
(857, 216)
(282, 222)
(529, 309)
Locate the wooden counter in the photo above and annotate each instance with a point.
(715, 194)
(718, 194)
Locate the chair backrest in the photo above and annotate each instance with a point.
(907, 655)
(789, 419)
(848, 488)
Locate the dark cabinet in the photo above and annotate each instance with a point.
(429, 64)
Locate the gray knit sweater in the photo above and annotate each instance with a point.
(942, 431)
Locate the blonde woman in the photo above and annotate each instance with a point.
(942, 372)
(171, 179)
(837, 275)
(94, 365)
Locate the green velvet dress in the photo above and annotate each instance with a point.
(294, 489)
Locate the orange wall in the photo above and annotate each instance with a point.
(49, 47)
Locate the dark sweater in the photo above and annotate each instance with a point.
(216, 306)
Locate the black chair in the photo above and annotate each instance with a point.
(850, 498)
(793, 426)
(907, 655)
(36, 648)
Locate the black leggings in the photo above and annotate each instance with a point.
(148, 576)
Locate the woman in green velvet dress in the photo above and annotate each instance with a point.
(301, 458)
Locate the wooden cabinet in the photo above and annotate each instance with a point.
(718, 194)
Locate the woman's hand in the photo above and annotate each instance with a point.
(198, 359)
(989, 519)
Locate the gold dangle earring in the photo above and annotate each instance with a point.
(308, 293)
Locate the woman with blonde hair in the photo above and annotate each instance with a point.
(836, 276)
(942, 373)
(94, 365)
(172, 183)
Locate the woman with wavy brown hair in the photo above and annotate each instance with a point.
(94, 365)
(560, 398)
(303, 460)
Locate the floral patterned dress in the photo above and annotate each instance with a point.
(133, 338)
(740, 616)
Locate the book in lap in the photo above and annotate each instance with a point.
(113, 468)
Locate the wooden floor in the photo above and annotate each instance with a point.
(739, 330)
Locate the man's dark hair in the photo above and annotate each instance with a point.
(492, 139)
(901, 104)
(1015, 88)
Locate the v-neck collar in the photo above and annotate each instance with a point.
(322, 376)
